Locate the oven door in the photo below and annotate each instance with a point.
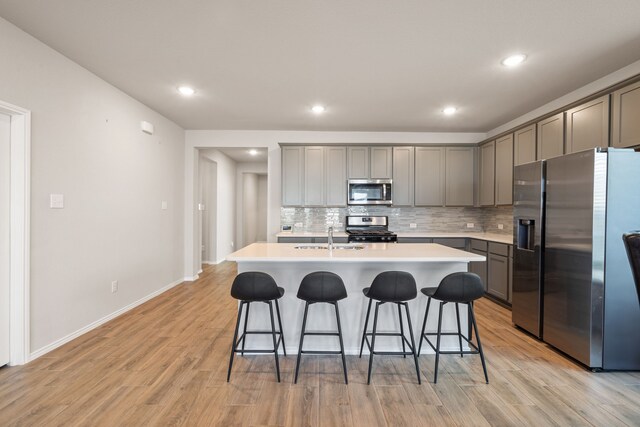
(369, 192)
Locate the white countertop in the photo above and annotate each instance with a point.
(490, 237)
(372, 252)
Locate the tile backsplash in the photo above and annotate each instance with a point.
(427, 219)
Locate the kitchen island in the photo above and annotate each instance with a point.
(288, 263)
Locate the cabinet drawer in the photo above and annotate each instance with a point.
(414, 240)
(479, 245)
(295, 239)
(452, 243)
(499, 248)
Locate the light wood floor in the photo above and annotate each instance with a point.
(165, 363)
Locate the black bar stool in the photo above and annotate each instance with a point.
(632, 243)
(249, 287)
(457, 288)
(323, 287)
(396, 287)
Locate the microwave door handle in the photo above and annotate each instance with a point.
(384, 192)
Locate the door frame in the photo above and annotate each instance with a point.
(20, 200)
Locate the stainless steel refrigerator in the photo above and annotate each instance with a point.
(528, 239)
(590, 310)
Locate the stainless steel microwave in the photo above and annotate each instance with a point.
(369, 192)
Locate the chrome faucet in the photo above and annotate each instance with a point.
(330, 237)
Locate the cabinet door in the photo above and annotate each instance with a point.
(414, 240)
(588, 125)
(498, 276)
(292, 176)
(381, 162)
(487, 173)
(551, 137)
(403, 176)
(314, 176)
(480, 268)
(336, 176)
(504, 170)
(456, 243)
(358, 162)
(524, 145)
(429, 172)
(626, 117)
(459, 176)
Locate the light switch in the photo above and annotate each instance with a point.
(164, 205)
(56, 201)
(201, 206)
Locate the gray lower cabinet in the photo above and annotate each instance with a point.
(479, 247)
(456, 243)
(625, 117)
(294, 239)
(292, 176)
(524, 145)
(504, 170)
(381, 166)
(314, 173)
(403, 176)
(498, 271)
(429, 176)
(458, 176)
(550, 136)
(487, 163)
(588, 125)
(414, 240)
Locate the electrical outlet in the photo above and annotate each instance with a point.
(500, 226)
(114, 286)
(297, 224)
(470, 225)
(413, 225)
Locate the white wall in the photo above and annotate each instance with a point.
(196, 139)
(225, 204)
(241, 169)
(261, 232)
(249, 212)
(5, 234)
(87, 144)
(208, 217)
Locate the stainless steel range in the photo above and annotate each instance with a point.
(369, 229)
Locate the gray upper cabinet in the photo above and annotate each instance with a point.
(403, 176)
(336, 176)
(292, 176)
(381, 162)
(430, 176)
(524, 145)
(459, 176)
(588, 125)
(625, 119)
(314, 174)
(358, 162)
(487, 173)
(551, 137)
(504, 170)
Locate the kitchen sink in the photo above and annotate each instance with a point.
(340, 246)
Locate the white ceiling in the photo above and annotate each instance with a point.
(377, 65)
(241, 155)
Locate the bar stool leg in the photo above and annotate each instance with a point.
(273, 335)
(435, 375)
(244, 332)
(366, 323)
(413, 343)
(344, 361)
(235, 337)
(475, 326)
(304, 325)
(373, 342)
(284, 349)
(404, 350)
(424, 324)
(459, 330)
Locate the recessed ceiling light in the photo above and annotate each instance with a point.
(514, 60)
(450, 111)
(253, 152)
(186, 90)
(318, 109)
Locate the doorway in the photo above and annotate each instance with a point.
(5, 235)
(254, 208)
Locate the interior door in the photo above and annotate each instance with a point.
(5, 129)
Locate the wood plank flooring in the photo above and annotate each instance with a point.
(165, 363)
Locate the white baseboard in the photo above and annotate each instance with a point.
(50, 347)
(191, 278)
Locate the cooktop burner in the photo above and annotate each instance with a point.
(369, 229)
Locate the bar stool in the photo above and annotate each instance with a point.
(321, 287)
(395, 287)
(253, 286)
(457, 288)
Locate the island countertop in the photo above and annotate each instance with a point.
(371, 252)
